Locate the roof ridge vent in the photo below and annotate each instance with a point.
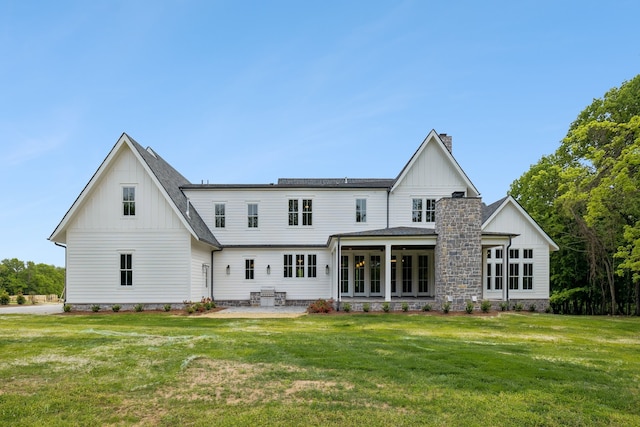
(150, 151)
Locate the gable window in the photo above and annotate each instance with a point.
(430, 210)
(129, 201)
(416, 212)
(311, 265)
(293, 212)
(423, 210)
(361, 210)
(220, 215)
(307, 212)
(288, 265)
(126, 270)
(248, 269)
(252, 215)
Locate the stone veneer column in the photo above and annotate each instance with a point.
(458, 253)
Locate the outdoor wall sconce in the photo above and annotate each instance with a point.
(326, 269)
(268, 269)
(228, 269)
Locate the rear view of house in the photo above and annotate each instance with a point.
(140, 232)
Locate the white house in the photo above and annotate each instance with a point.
(139, 232)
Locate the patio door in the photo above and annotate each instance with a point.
(407, 274)
(375, 273)
(359, 271)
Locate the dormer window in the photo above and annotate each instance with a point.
(129, 201)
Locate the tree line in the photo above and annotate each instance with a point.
(586, 195)
(29, 278)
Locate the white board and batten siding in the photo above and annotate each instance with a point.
(99, 233)
(235, 285)
(510, 219)
(431, 176)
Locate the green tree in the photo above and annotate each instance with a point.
(586, 195)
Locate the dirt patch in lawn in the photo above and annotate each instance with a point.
(236, 383)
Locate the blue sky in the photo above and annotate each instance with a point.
(250, 91)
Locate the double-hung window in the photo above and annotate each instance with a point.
(128, 201)
(126, 270)
(423, 210)
(248, 269)
(527, 269)
(220, 215)
(361, 210)
(307, 212)
(294, 212)
(311, 265)
(288, 265)
(252, 215)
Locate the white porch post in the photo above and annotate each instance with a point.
(387, 272)
(505, 266)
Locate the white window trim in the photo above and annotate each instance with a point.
(119, 253)
(221, 202)
(135, 201)
(366, 208)
(246, 218)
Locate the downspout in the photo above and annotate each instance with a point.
(506, 273)
(388, 193)
(64, 289)
(339, 267)
(211, 274)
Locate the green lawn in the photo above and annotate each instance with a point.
(376, 369)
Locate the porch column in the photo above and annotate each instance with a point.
(505, 270)
(387, 272)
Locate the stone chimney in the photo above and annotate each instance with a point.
(448, 141)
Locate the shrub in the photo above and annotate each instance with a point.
(548, 309)
(138, 307)
(167, 307)
(446, 307)
(427, 307)
(485, 306)
(320, 306)
(532, 308)
(405, 307)
(20, 299)
(386, 307)
(469, 307)
(366, 307)
(190, 309)
(346, 307)
(207, 303)
(504, 306)
(95, 308)
(518, 306)
(4, 298)
(66, 308)
(116, 308)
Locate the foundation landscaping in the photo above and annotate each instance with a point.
(404, 369)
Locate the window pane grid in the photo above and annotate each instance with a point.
(220, 215)
(252, 215)
(293, 212)
(248, 269)
(361, 210)
(126, 270)
(311, 266)
(307, 215)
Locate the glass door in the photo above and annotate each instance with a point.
(374, 275)
(358, 275)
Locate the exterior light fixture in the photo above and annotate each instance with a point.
(326, 269)
(268, 269)
(228, 270)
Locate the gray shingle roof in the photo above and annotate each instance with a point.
(487, 211)
(337, 182)
(391, 232)
(172, 180)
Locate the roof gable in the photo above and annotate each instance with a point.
(434, 140)
(491, 212)
(166, 178)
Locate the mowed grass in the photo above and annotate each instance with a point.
(376, 369)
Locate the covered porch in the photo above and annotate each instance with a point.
(388, 265)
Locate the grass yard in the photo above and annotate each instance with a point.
(376, 369)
